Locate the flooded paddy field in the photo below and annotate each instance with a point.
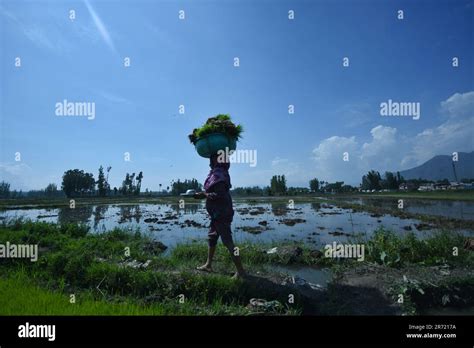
(312, 223)
(463, 210)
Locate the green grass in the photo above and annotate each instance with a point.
(444, 247)
(20, 296)
(73, 261)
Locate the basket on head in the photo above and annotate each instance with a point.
(211, 144)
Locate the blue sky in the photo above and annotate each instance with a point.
(190, 62)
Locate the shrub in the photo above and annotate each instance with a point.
(386, 247)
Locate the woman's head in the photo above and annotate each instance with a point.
(219, 161)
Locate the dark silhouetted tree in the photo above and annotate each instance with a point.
(101, 183)
(51, 190)
(314, 184)
(4, 189)
(76, 182)
(278, 184)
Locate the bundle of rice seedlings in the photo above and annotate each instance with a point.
(219, 124)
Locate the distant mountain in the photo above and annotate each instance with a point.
(440, 167)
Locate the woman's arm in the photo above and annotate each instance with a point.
(219, 190)
(200, 195)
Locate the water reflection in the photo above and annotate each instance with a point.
(273, 221)
(279, 209)
(453, 209)
(316, 206)
(188, 208)
(80, 214)
(99, 214)
(128, 213)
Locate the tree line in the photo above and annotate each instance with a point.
(278, 187)
(77, 183)
(178, 187)
(51, 190)
(373, 181)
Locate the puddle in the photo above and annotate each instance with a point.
(318, 276)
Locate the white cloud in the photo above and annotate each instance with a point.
(383, 149)
(459, 105)
(388, 150)
(329, 158)
(453, 135)
(333, 147)
(19, 175)
(382, 137)
(295, 173)
(285, 166)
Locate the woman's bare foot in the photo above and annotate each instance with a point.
(205, 268)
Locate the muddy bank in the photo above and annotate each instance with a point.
(370, 289)
(414, 289)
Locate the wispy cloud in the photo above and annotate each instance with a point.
(277, 160)
(161, 35)
(19, 175)
(113, 97)
(353, 115)
(104, 33)
(9, 15)
(35, 33)
(38, 36)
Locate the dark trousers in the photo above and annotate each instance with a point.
(220, 229)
